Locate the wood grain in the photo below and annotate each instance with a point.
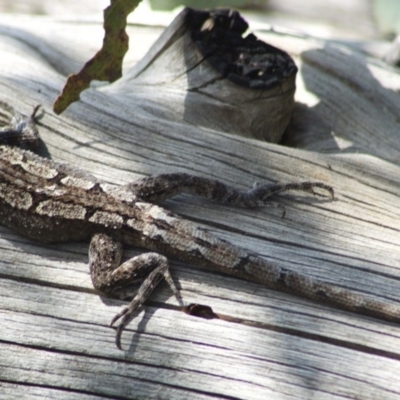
(55, 338)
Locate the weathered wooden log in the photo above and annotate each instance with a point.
(55, 340)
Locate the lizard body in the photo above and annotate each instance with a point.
(53, 202)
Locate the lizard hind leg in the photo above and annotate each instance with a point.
(109, 276)
(155, 189)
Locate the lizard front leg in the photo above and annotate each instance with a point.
(155, 189)
(105, 252)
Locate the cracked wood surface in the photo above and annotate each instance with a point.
(55, 339)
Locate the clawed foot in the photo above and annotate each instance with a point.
(148, 285)
(127, 314)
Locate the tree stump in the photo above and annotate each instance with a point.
(203, 72)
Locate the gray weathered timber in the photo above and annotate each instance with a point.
(347, 103)
(269, 343)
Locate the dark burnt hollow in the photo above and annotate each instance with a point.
(246, 61)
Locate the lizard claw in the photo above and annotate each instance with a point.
(127, 315)
(119, 315)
